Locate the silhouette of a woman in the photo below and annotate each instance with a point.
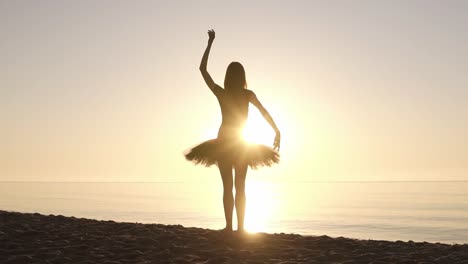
(229, 151)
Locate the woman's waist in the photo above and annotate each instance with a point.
(226, 131)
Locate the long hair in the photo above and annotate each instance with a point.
(235, 77)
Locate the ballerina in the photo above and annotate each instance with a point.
(229, 151)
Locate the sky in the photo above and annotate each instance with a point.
(110, 90)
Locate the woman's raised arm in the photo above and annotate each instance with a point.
(216, 89)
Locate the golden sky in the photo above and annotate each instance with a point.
(110, 90)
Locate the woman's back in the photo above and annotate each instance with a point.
(234, 109)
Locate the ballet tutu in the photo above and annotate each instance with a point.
(234, 151)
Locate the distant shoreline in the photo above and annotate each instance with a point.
(210, 181)
(33, 237)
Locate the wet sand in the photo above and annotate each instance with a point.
(36, 238)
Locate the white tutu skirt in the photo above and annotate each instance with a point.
(235, 151)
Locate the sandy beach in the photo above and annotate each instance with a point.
(36, 238)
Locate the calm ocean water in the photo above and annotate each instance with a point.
(418, 211)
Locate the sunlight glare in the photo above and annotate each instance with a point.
(259, 208)
(257, 130)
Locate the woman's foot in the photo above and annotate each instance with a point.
(227, 229)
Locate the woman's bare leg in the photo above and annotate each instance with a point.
(241, 173)
(225, 169)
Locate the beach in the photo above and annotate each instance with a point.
(37, 238)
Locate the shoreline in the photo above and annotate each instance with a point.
(34, 238)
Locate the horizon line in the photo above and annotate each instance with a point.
(350, 181)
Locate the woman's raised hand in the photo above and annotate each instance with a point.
(211, 35)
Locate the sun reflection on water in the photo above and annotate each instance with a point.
(260, 206)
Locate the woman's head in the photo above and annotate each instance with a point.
(235, 77)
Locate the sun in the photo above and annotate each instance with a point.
(257, 130)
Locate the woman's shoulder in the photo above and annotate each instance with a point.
(249, 93)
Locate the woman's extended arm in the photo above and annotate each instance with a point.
(216, 89)
(254, 100)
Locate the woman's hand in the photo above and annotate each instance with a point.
(211, 35)
(276, 143)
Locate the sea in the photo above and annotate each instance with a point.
(417, 211)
